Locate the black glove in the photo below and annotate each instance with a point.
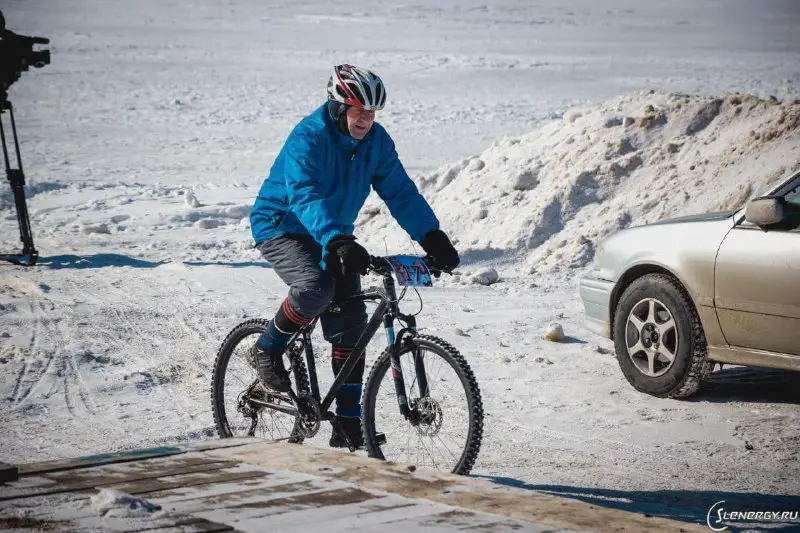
(437, 245)
(349, 256)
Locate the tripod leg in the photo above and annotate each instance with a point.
(26, 236)
(16, 179)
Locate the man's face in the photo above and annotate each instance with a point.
(359, 121)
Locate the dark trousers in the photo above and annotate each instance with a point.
(296, 260)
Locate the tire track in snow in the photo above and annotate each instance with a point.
(18, 383)
(82, 390)
(150, 342)
(62, 372)
(34, 372)
(15, 393)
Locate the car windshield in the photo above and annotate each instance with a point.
(793, 196)
(790, 187)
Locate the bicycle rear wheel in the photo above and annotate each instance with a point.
(447, 427)
(237, 396)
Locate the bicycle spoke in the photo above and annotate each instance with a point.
(446, 447)
(437, 442)
(433, 459)
(242, 403)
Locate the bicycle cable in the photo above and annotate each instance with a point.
(420, 302)
(403, 294)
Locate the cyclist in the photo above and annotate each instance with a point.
(303, 222)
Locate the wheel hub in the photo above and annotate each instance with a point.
(245, 405)
(651, 336)
(429, 414)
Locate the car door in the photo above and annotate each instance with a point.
(757, 282)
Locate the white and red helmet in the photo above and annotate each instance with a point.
(357, 87)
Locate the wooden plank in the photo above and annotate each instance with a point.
(132, 455)
(233, 475)
(249, 507)
(331, 511)
(201, 526)
(113, 474)
(260, 497)
(464, 520)
(95, 460)
(218, 444)
(8, 473)
(316, 503)
(73, 511)
(394, 511)
(443, 521)
(209, 496)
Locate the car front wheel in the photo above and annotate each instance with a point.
(659, 339)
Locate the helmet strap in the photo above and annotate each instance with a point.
(338, 113)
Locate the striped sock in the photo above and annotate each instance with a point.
(348, 399)
(280, 329)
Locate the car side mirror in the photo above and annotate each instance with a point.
(764, 211)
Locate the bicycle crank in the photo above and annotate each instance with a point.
(308, 415)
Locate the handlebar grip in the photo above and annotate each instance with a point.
(435, 269)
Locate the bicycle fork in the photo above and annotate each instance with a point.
(397, 371)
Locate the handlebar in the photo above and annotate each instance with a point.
(381, 266)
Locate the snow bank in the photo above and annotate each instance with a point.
(538, 203)
(544, 199)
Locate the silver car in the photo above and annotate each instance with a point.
(679, 295)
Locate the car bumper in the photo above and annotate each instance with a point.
(596, 296)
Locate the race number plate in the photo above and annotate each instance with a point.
(410, 271)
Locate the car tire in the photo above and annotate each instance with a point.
(659, 340)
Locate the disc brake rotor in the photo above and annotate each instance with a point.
(430, 416)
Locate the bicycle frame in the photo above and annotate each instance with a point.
(386, 313)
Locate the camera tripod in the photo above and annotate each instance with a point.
(16, 179)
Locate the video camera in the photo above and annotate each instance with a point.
(17, 56)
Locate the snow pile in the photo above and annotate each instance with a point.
(191, 199)
(485, 276)
(543, 200)
(114, 503)
(209, 216)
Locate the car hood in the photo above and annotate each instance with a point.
(671, 244)
(705, 217)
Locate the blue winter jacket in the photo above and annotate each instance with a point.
(322, 177)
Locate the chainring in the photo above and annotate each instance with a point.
(308, 416)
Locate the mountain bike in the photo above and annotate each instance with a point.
(427, 411)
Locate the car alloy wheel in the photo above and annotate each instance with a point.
(651, 337)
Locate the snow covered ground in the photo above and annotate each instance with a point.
(533, 128)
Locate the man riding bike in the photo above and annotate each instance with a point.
(303, 222)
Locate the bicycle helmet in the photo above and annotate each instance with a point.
(359, 87)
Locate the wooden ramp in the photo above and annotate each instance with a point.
(252, 485)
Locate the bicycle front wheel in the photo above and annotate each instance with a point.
(445, 428)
